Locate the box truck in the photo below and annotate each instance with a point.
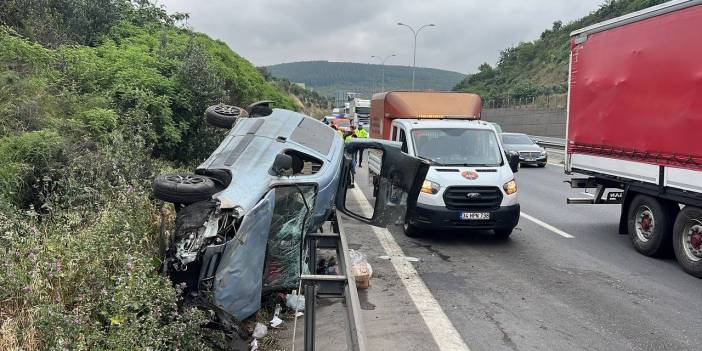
(635, 122)
(470, 184)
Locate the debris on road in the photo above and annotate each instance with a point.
(260, 331)
(295, 302)
(360, 268)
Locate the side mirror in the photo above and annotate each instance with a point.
(282, 165)
(513, 160)
(396, 179)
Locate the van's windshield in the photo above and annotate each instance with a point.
(458, 147)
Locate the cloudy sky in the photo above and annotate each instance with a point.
(467, 32)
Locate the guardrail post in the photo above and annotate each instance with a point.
(310, 292)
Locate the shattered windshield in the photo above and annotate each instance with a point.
(457, 146)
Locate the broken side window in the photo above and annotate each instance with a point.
(294, 205)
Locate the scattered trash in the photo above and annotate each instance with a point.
(327, 265)
(276, 321)
(384, 257)
(295, 302)
(260, 331)
(411, 259)
(254, 345)
(299, 314)
(360, 269)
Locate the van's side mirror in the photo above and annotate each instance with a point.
(513, 160)
(396, 178)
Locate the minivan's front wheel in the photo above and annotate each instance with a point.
(224, 116)
(687, 240)
(183, 188)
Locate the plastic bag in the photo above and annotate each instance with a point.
(360, 269)
(260, 331)
(294, 301)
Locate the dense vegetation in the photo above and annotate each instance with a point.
(96, 98)
(328, 78)
(540, 67)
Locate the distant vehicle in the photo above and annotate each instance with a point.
(634, 122)
(470, 184)
(498, 128)
(359, 111)
(341, 123)
(243, 215)
(529, 152)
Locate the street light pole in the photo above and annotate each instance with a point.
(414, 49)
(382, 69)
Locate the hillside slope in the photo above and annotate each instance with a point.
(328, 78)
(540, 67)
(96, 99)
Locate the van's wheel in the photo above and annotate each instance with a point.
(410, 230)
(503, 234)
(650, 226)
(687, 240)
(183, 188)
(224, 116)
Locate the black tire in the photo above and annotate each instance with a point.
(183, 188)
(503, 234)
(655, 221)
(411, 230)
(224, 116)
(689, 258)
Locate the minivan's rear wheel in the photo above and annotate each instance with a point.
(410, 230)
(650, 226)
(687, 240)
(224, 116)
(183, 188)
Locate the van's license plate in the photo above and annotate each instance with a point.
(475, 216)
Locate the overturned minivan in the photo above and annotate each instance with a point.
(242, 216)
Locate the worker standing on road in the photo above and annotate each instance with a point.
(348, 135)
(361, 133)
(333, 126)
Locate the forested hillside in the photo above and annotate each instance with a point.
(328, 78)
(96, 99)
(540, 67)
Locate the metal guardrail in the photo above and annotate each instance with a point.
(549, 142)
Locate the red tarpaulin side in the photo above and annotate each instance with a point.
(636, 91)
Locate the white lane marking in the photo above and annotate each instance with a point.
(442, 330)
(547, 226)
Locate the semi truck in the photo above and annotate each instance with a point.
(359, 111)
(634, 125)
(470, 184)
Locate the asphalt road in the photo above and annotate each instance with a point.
(538, 290)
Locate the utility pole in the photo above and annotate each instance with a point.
(382, 70)
(415, 33)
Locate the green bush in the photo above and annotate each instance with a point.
(99, 122)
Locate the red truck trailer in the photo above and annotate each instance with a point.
(635, 125)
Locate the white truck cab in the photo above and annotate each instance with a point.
(470, 184)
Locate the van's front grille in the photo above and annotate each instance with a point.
(472, 197)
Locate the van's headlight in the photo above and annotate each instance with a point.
(510, 187)
(429, 187)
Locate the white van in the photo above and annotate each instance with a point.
(470, 184)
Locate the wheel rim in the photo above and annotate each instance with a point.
(692, 240)
(227, 110)
(645, 223)
(184, 179)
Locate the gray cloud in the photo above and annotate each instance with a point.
(468, 32)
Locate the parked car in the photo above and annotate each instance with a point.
(529, 152)
(242, 216)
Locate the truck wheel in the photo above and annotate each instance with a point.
(183, 188)
(503, 233)
(650, 226)
(410, 230)
(224, 116)
(687, 240)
